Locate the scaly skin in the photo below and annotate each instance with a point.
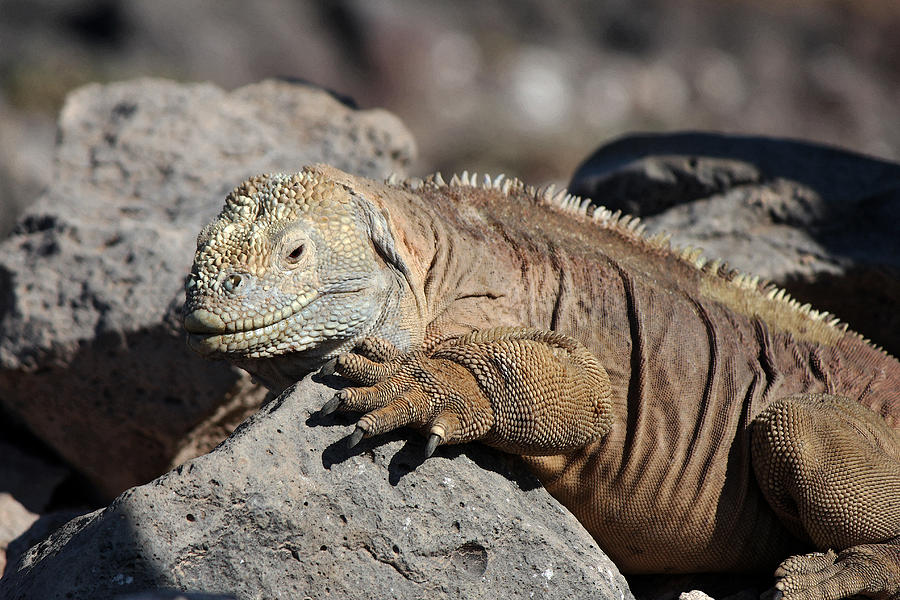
(692, 418)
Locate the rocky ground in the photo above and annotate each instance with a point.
(100, 393)
(284, 509)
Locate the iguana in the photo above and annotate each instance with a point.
(693, 418)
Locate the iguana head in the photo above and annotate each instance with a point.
(295, 265)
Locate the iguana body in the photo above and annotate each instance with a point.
(698, 441)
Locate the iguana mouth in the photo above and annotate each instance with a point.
(201, 320)
(258, 336)
(209, 333)
(238, 342)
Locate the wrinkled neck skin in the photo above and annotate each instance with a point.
(400, 311)
(458, 276)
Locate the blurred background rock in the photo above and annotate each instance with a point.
(525, 87)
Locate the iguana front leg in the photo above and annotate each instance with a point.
(831, 471)
(521, 390)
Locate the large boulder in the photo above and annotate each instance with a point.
(92, 355)
(283, 509)
(819, 221)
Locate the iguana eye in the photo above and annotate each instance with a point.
(295, 254)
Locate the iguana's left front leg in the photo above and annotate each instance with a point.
(521, 390)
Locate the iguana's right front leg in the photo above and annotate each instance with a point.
(521, 390)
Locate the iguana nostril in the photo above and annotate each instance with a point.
(233, 282)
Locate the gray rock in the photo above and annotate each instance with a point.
(818, 221)
(283, 509)
(92, 356)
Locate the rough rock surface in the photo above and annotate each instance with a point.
(819, 221)
(92, 355)
(283, 509)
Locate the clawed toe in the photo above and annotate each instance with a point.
(806, 563)
(357, 435)
(328, 368)
(332, 405)
(434, 440)
(871, 570)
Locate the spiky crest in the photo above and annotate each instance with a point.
(632, 228)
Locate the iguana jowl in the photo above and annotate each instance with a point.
(692, 418)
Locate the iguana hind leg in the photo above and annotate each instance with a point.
(831, 471)
(521, 390)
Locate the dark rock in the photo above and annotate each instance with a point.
(702, 586)
(30, 479)
(819, 221)
(28, 483)
(37, 529)
(283, 509)
(92, 355)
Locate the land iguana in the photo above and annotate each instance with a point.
(693, 418)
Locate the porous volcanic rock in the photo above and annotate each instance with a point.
(283, 509)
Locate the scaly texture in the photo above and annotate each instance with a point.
(482, 386)
(692, 417)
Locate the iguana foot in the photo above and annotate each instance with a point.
(437, 395)
(872, 570)
(524, 391)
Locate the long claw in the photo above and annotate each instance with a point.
(331, 405)
(356, 436)
(329, 367)
(434, 441)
